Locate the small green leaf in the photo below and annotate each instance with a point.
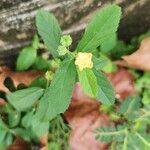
(49, 30)
(103, 25)
(107, 134)
(41, 64)
(14, 118)
(39, 128)
(109, 67)
(23, 133)
(27, 120)
(5, 135)
(24, 99)
(146, 97)
(88, 82)
(129, 107)
(39, 82)
(105, 93)
(35, 42)
(57, 97)
(26, 58)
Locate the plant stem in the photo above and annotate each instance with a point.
(125, 144)
(142, 139)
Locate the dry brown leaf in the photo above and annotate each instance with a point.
(17, 77)
(83, 116)
(123, 83)
(141, 58)
(2, 102)
(19, 144)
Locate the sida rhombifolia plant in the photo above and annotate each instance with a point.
(36, 107)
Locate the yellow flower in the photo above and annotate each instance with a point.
(84, 60)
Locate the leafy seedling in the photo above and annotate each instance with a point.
(38, 108)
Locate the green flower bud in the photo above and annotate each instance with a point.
(49, 75)
(62, 50)
(66, 40)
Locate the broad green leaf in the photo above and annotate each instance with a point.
(57, 97)
(24, 99)
(99, 63)
(109, 44)
(26, 58)
(49, 30)
(105, 93)
(88, 82)
(103, 25)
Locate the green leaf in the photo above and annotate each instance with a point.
(35, 42)
(27, 119)
(109, 67)
(144, 139)
(57, 97)
(23, 133)
(99, 63)
(24, 99)
(107, 134)
(105, 93)
(39, 82)
(146, 97)
(26, 58)
(14, 118)
(103, 25)
(5, 136)
(88, 82)
(41, 64)
(39, 128)
(129, 107)
(49, 30)
(109, 44)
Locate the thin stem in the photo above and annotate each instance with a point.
(142, 139)
(143, 116)
(125, 144)
(113, 133)
(113, 145)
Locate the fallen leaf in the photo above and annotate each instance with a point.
(123, 83)
(19, 144)
(17, 77)
(2, 102)
(139, 59)
(84, 117)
